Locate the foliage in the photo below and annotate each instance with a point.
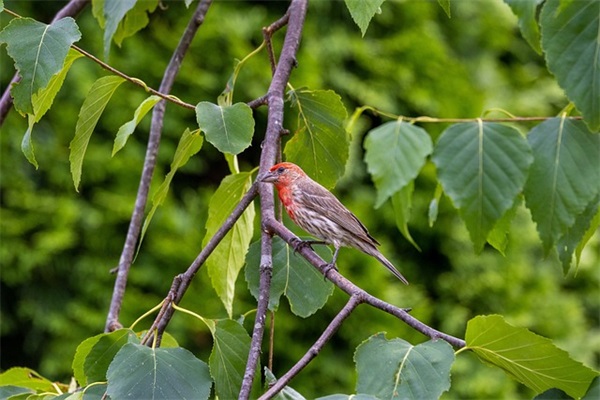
(495, 171)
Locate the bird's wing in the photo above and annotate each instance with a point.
(324, 202)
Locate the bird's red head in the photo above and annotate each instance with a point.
(283, 174)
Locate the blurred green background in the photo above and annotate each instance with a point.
(58, 245)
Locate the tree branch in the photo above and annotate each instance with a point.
(295, 20)
(71, 9)
(112, 320)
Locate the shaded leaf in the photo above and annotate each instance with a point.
(189, 144)
(362, 11)
(570, 42)
(359, 396)
(287, 393)
(141, 372)
(134, 20)
(498, 236)
(396, 369)
(402, 203)
(11, 391)
(93, 106)
(564, 176)
(113, 13)
(432, 211)
(395, 153)
(594, 224)
(482, 167)
(526, 11)
(127, 128)
(228, 358)
(94, 355)
(445, 4)
(320, 146)
(529, 358)
(39, 52)
(228, 128)
(293, 276)
(228, 258)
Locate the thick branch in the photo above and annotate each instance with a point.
(295, 19)
(333, 326)
(112, 320)
(71, 9)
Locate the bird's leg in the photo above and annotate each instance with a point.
(328, 267)
(298, 244)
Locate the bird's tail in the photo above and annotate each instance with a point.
(390, 266)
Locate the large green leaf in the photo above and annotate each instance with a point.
(127, 128)
(482, 167)
(529, 358)
(363, 11)
(527, 12)
(320, 146)
(94, 355)
(293, 276)
(26, 378)
(189, 144)
(39, 52)
(572, 45)
(228, 258)
(93, 105)
(396, 369)
(395, 153)
(228, 128)
(231, 345)
(114, 12)
(564, 177)
(141, 372)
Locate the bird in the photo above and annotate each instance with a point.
(318, 212)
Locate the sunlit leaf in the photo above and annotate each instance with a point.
(396, 369)
(570, 42)
(39, 52)
(529, 358)
(594, 225)
(363, 11)
(564, 177)
(527, 13)
(395, 153)
(228, 258)
(482, 167)
(498, 236)
(127, 129)
(320, 146)
(93, 106)
(228, 128)
(293, 276)
(26, 378)
(142, 372)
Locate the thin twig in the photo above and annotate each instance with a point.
(133, 232)
(71, 9)
(295, 20)
(314, 350)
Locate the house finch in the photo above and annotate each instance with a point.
(317, 211)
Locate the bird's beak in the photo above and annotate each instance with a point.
(267, 177)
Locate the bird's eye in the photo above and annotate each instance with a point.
(280, 170)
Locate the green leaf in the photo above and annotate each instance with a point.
(568, 243)
(141, 372)
(39, 52)
(189, 144)
(229, 128)
(482, 167)
(395, 153)
(27, 144)
(114, 12)
(293, 276)
(594, 224)
(363, 11)
(526, 11)
(570, 41)
(445, 4)
(228, 258)
(134, 20)
(127, 128)
(594, 390)
(94, 355)
(228, 358)
(564, 176)
(93, 105)
(396, 369)
(320, 146)
(26, 378)
(402, 203)
(432, 211)
(10, 392)
(529, 358)
(359, 396)
(498, 236)
(287, 393)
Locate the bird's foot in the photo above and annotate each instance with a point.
(328, 267)
(299, 244)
